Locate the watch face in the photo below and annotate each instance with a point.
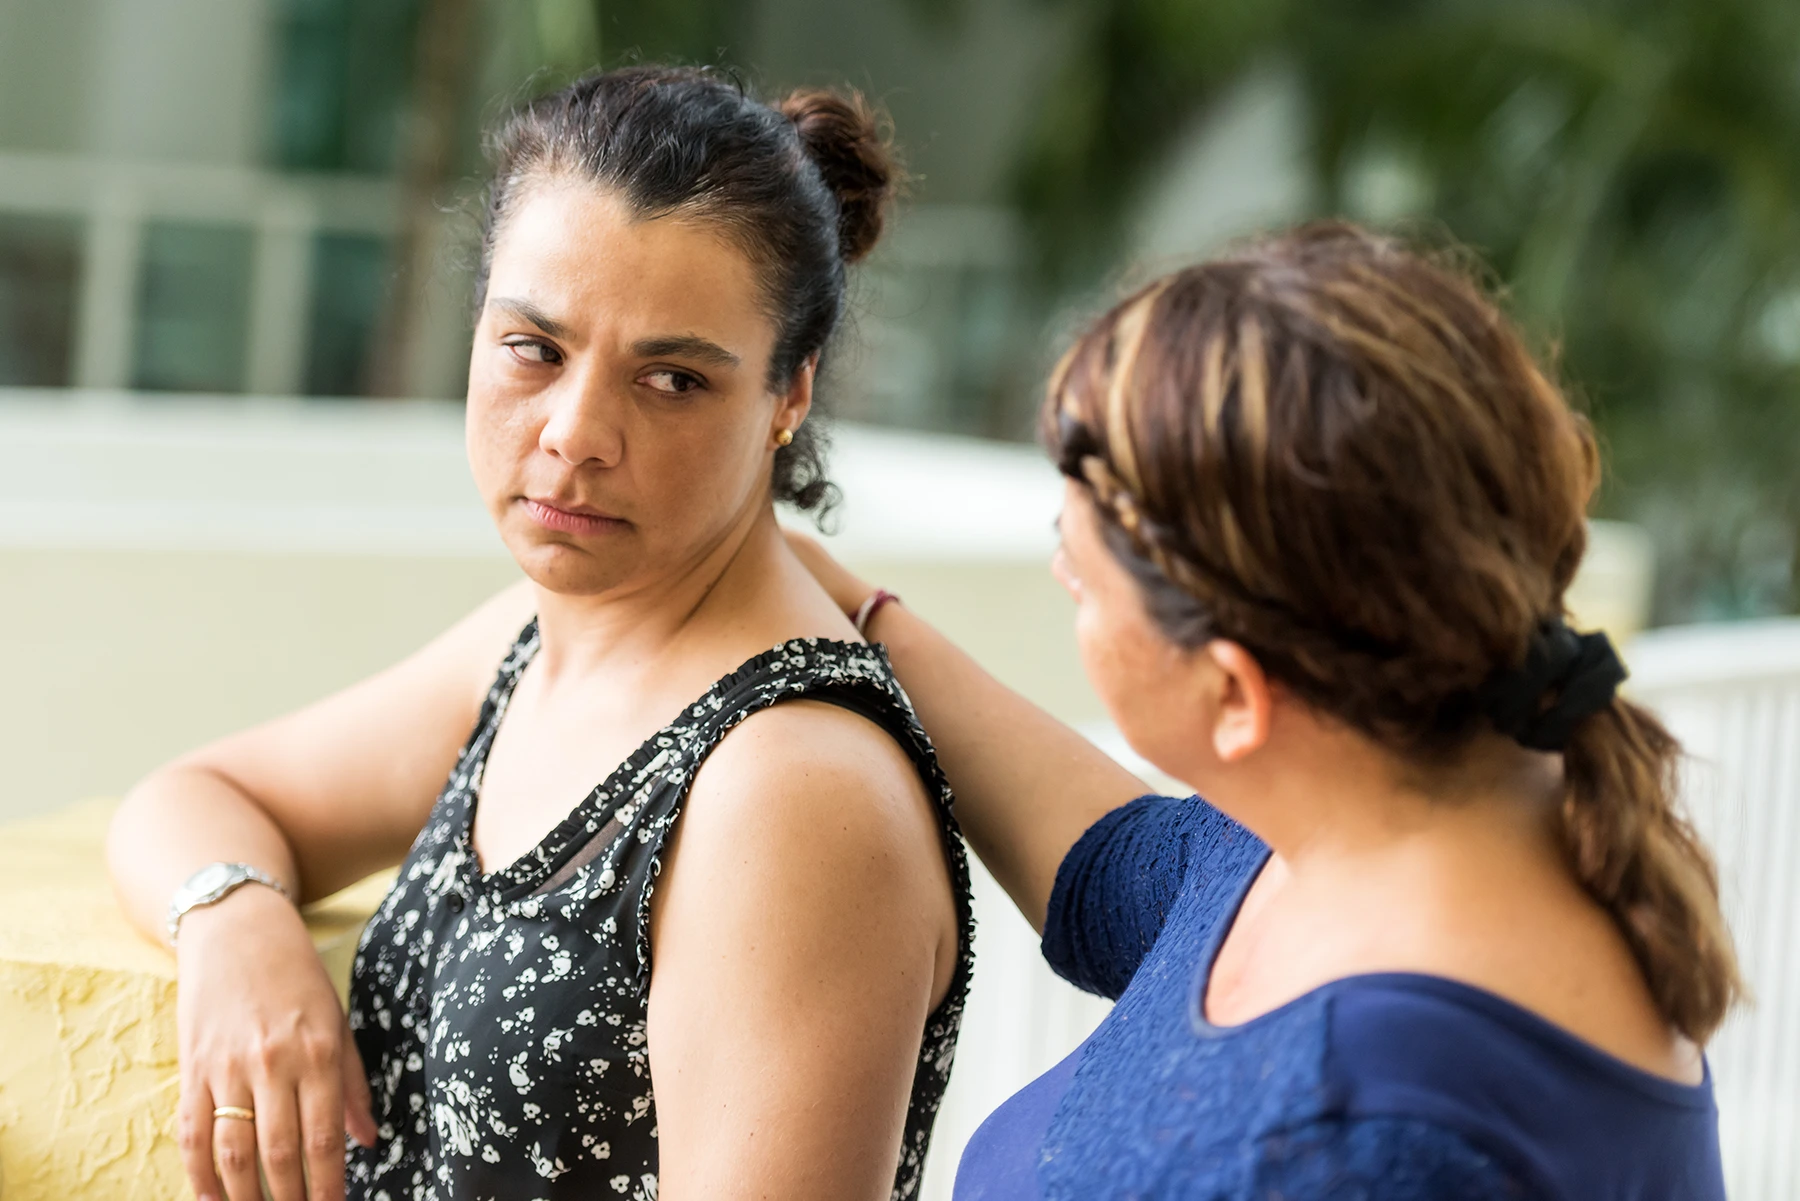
(208, 880)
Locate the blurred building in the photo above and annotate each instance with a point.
(269, 196)
(265, 196)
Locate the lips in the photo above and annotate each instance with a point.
(569, 517)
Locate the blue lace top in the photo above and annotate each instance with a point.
(1388, 1087)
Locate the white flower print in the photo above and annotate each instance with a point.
(454, 1128)
(546, 1167)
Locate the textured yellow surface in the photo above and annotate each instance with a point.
(87, 1019)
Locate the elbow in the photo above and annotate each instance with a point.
(146, 811)
(133, 822)
(122, 829)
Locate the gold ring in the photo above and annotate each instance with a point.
(237, 1112)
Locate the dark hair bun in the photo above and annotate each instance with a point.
(843, 135)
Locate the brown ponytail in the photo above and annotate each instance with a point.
(1340, 454)
(1637, 855)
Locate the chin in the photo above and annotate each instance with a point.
(567, 569)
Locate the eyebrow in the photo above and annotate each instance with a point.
(524, 310)
(685, 346)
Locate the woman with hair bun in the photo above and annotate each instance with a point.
(690, 918)
(1438, 929)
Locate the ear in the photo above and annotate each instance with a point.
(1245, 702)
(797, 402)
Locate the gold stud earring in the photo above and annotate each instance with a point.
(784, 437)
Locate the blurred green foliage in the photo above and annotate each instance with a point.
(1631, 168)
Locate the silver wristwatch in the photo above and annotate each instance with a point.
(213, 883)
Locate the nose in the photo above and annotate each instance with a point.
(583, 426)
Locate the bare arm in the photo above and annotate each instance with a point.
(1027, 786)
(804, 932)
(318, 799)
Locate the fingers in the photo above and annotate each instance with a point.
(359, 1109)
(322, 1138)
(194, 1132)
(277, 1128)
(234, 1145)
(293, 1149)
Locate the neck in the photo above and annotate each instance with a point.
(1332, 804)
(642, 621)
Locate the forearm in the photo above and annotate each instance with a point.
(1026, 785)
(178, 820)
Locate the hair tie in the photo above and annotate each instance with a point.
(1577, 673)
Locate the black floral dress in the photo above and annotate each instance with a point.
(501, 1017)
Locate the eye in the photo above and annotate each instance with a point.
(671, 382)
(530, 350)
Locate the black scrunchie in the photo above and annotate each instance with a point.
(1576, 673)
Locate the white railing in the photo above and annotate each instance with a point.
(936, 315)
(116, 200)
(1731, 693)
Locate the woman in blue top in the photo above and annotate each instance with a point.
(1437, 929)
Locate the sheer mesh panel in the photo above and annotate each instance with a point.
(591, 850)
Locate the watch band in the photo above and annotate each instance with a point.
(212, 884)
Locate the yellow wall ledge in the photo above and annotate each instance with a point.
(88, 1080)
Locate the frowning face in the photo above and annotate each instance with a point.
(620, 420)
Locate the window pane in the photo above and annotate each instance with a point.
(193, 309)
(341, 74)
(40, 260)
(350, 277)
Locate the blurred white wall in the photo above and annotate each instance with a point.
(174, 568)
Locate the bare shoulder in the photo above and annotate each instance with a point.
(817, 818)
(803, 932)
(809, 766)
(1574, 968)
